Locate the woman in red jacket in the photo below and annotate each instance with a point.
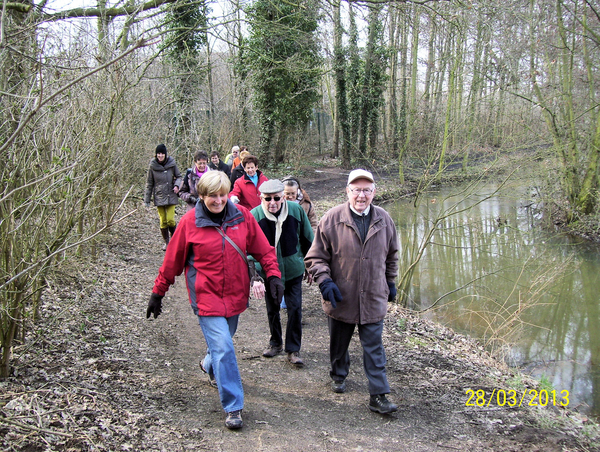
(217, 279)
(245, 189)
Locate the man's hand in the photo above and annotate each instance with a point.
(154, 305)
(330, 292)
(276, 288)
(393, 290)
(308, 277)
(176, 189)
(193, 199)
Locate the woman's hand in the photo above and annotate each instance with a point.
(257, 290)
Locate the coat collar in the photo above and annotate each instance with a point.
(376, 217)
(247, 178)
(232, 217)
(168, 164)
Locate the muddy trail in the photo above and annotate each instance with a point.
(96, 375)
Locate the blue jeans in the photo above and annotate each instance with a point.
(220, 359)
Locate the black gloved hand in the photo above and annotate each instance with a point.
(276, 288)
(393, 290)
(154, 305)
(330, 292)
(193, 199)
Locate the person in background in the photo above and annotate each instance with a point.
(217, 164)
(354, 259)
(235, 152)
(217, 280)
(238, 160)
(293, 192)
(245, 190)
(238, 171)
(287, 228)
(188, 190)
(162, 184)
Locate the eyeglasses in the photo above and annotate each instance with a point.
(358, 191)
(275, 198)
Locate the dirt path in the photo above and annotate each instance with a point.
(289, 409)
(109, 379)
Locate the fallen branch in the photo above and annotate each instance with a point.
(35, 429)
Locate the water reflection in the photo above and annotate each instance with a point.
(529, 295)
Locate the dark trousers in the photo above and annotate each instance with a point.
(293, 301)
(340, 334)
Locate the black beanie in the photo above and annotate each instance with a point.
(161, 149)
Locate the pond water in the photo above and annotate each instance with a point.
(492, 272)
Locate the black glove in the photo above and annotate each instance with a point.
(154, 305)
(193, 199)
(276, 288)
(393, 290)
(330, 292)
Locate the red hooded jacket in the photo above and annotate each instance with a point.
(216, 275)
(247, 192)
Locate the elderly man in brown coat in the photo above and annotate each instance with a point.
(354, 259)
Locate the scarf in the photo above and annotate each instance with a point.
(198, 173)
(278, 220)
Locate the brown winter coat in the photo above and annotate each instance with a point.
(360, 270)
(160, 182)
(309, 209)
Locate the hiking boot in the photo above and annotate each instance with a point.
(294, 358)
(380, 404)
(338, 386)
(272, 351)
(211, 378)
(234, 420)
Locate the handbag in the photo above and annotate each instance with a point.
(254, 277)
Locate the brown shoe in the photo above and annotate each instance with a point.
(272, 351)
(294, 358)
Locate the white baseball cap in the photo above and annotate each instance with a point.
(359, 174)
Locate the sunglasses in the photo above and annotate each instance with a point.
(275, 198)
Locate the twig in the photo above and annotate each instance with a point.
(63, 249)
(36, 429)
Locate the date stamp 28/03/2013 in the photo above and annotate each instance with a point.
(513, 398)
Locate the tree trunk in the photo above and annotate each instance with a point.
(341, 106)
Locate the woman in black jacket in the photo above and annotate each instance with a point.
(163, 183)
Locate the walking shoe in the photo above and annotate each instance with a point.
(338, 386)
(234, 420)
(294, 358)
(211, 378)
(273, 350)
(380, 404)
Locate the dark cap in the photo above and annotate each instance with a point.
(161, 149)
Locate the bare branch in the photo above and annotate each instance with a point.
(108, 12)
(42, 102)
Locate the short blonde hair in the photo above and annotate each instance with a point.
(213, 182)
